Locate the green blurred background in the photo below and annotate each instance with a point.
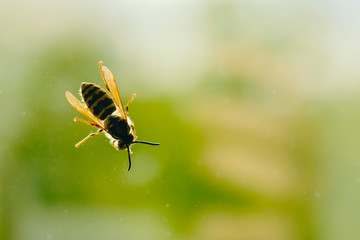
(256, 105)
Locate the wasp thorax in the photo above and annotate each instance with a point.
(118, 128)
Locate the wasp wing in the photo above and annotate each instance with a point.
(79, 106)
(110, 85)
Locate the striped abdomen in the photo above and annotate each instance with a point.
(97, 100)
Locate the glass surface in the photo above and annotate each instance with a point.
(255, 103)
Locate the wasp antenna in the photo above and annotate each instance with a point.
(149, 143)
(129, 158)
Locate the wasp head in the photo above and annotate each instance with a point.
(124, 143)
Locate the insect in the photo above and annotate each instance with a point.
(105, 112)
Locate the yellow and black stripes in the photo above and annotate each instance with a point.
(97, 100)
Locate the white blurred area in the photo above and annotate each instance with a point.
(313, 44)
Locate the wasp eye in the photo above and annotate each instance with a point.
(121, 145)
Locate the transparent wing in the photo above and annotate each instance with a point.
(82, 109)
(110, 85)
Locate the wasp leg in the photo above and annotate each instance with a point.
(113, 144)
(133, 130)
(89, 136)
(127, 105)
(84, 121)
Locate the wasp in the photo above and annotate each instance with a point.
(105, 112)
